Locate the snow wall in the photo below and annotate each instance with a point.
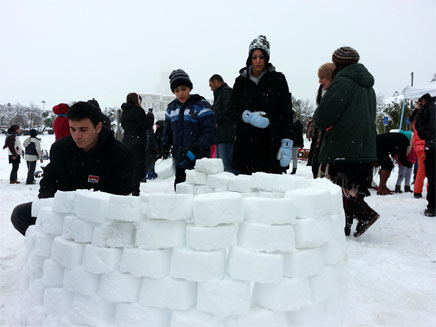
(225, 250)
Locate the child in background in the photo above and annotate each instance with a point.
(404, 172)
(32, 153)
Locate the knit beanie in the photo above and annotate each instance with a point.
(178, 77)
(326, 70)
(408, 134)
(426, 97)
(33, 133)
(259, 43)
(345, 56)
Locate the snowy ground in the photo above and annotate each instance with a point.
(391, 268)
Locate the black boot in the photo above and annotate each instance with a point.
(398, 189)
(417, 195)
(366, 216)
(294, 170)
(348, 224)
(407, 189)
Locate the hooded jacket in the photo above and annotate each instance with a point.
(425, 124)
(347, 114)
(135, 124)
(226, 128)
(255, 149)
(60, 125)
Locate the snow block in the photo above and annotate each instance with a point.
(311, 233)
(209, 165)
(41, 203)
(116, 234)
(195, 317)
(131, 315)
(53, 274)
(270, 195)
(119, 287)
(255, 266)
(323, 285)
(63, 202)
(170, 206)
(79, 280)
(164, 168)
(218, 208)
(195, 177)
(310, 202)
(184, 188)
(333, 252)
(336, 204)
(220, 181)
(240, 184)
(51, 222)
(224, 297)
(91, 206)
(268, 238)
(309, 316)
(124, 208)
(202, 189)
(34, 265)
(264, 181)
(289, 183)
(303, 263)
(91, 311)
(337, 224)
(168, 293)
(258, 317)
(78, 230)
(148, 263)
(67, 253)
(197, 265)
(159, 234)
(100, 260)
(211, 238)
(57, 301)
(43, 244)
(290, 294)
(269, 211)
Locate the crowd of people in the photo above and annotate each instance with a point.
(254, 129)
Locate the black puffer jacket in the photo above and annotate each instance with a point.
(226, 127)
(107, 167)
(297, 134)
(394, 144)
(255, 149)
(425, 124)
(135, 123)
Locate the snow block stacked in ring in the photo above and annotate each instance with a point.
(225, 250)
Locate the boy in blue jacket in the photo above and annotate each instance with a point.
(189, 129)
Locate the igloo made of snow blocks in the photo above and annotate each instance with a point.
(224, 250)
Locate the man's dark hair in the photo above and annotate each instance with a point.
(216, 77)
(426, 97)
(82, 110)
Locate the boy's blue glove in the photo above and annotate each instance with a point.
(255, 118)
(285, 152)
(186, 158)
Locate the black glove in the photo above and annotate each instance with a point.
(186, 158)
(165, 153)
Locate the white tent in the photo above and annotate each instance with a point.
(415, 92)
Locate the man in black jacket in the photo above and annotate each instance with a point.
(90, 158)
(226, 128)
(425, 126)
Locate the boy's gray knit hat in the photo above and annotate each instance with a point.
(178, 77)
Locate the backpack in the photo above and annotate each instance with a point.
(31, 149)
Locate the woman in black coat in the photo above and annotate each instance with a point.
(135, 124)
(261, 106)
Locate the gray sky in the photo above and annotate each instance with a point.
(63, 51)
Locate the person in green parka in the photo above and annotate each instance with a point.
(347, 114)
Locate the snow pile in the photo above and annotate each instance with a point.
(225, 250)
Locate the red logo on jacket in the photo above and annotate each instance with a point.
(93, 179)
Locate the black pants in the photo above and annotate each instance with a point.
(180, 176)
(31, 165)
(139, 173)
(22, 217)
(14, 172)
(430, 174)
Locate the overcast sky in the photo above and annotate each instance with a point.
(64, 51)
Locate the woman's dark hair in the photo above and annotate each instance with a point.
(82, 110)
(133, 98)
(319, 95)
(13, 128)
(338, 68)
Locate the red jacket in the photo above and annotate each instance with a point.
(60, 125)
(418, 143)
(411, 156)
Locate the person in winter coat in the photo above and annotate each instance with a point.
(13, 144)
(419, 146)
(390, 145)
(32, 153)
(90, 158)
(189, 126)
(135, 123)
(404, 172)
(425, 126)
(298, 142)
(261, 106)
(313, 134)
(226, 128)
(60, 124)
(104, 119)
(346, 114)
(158, 136)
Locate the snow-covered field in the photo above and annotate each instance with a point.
(391, 268)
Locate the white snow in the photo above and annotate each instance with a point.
(391, 269)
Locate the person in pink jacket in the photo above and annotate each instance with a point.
(419, 146)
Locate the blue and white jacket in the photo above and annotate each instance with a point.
(190, 126)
